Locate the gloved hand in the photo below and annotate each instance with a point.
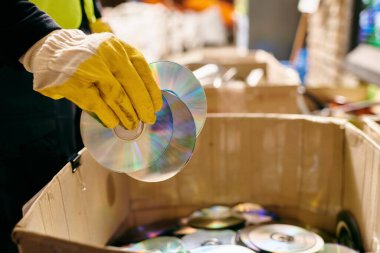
(99, 26)
(97, 72)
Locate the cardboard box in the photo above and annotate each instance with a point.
(221, 55)
(244, 99)
(303, 167)
(327, 94)
(370, 126)
(324, 95)
(275, 72)
(261, 99)
(243, 69)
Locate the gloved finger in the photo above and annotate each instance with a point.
(134, 87)
(137, 94)
(146, 76)
(87, 97)
(117, 99)
(104, 113)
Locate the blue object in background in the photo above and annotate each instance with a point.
(299, 64)
(369, 23)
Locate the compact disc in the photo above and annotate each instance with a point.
(164, 244)
(243, 238)
(222, 249)
(155, 153)
(182, 82)
(180, 148)
(210, 223)
(206, 237)
(147, 231)
(253, 213)
(347, 231)
(326, 236)
(336, 248)
(187, 230)
(115, 150)
(214, 212)
(284, 238)
(247, 207)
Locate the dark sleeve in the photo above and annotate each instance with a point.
(22, 24)
(97, 8)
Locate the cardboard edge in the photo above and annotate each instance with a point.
(52, 243)
(33, 202)
(311, 118)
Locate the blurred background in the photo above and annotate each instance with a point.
(324, 51)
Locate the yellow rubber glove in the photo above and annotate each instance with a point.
(99, 26)
(97, 72)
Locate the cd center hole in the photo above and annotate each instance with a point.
(129, 135)
(282, 237)
(212, 241)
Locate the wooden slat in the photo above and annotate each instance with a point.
(322, 154)
(74, 203)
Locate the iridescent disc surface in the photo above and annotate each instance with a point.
(285, 238)
(213, 212)
(206, 238)
(121, 155)
(252, 213)
(222, 249)
(164, 244)
(181, 81)
(247, 207)
(210, 223)
(180, 148)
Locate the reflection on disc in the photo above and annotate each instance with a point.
(206, 237)
(187, 230)
(180, 148)
(222, 249)
(147, 231)
(164, 244)
(336, 248)
(113, 148)
(253, 213)
(247, 207)
(182, 82)
(209, 223)
(285, 238)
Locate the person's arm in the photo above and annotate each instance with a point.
(23, 24)
(99, 73)
(97, 8)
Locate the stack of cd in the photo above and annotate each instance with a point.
(280, 238)
(182, 82)
(153, 153)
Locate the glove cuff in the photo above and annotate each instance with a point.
(54, 58)
(27, 58)
(38, 56)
